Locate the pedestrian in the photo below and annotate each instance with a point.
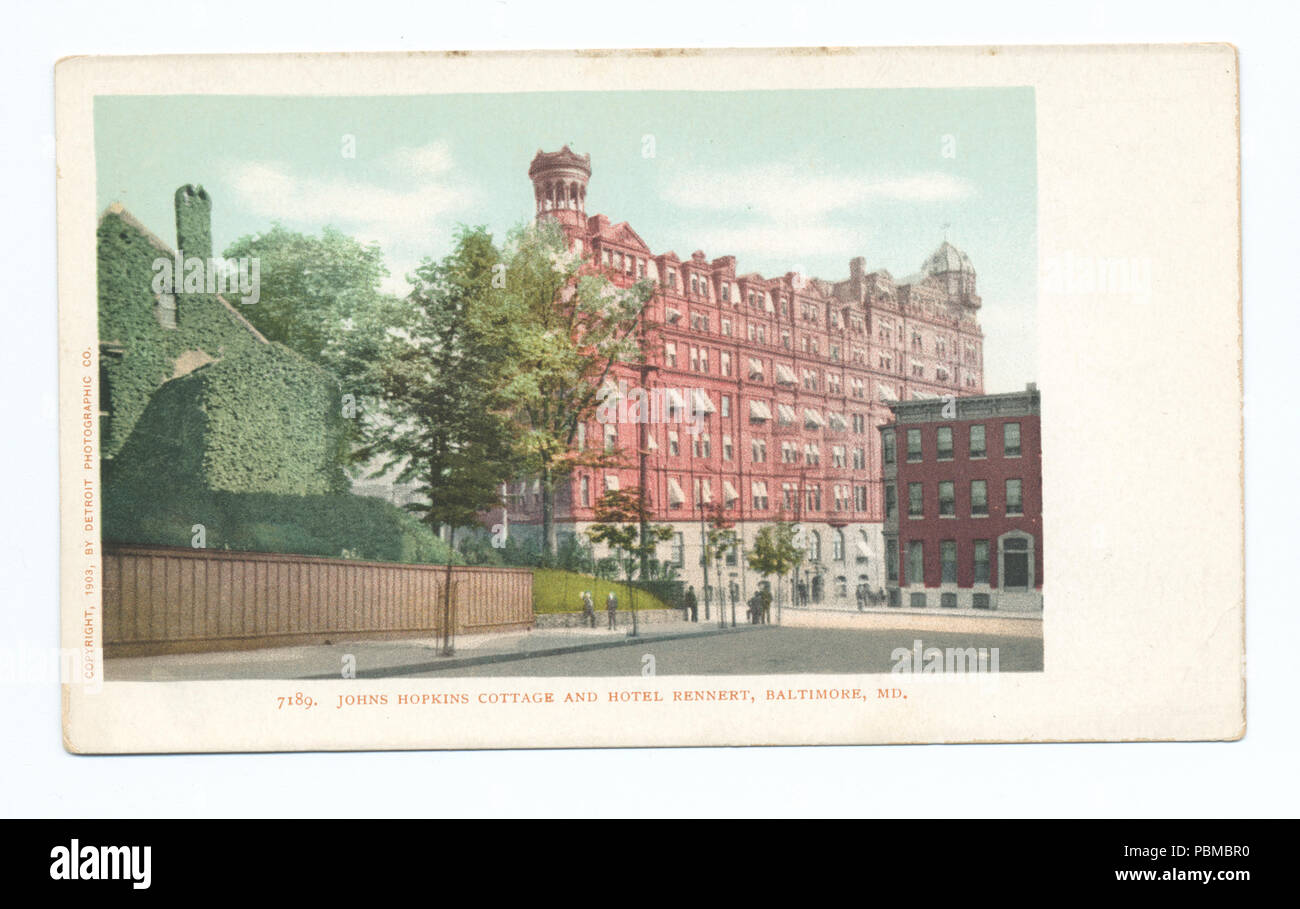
(588, 609)
(692, 605)
(611, 607)
(765, 601)
(861, 592)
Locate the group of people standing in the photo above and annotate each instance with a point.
(589, 608)
(759, 606)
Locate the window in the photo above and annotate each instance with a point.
(943, 439)
(611, 437)
(947, 504)
(814, 498)
(726, 399)
(726, 365)
(789, 496)
(727, 450)
(758, 494)
(979, 498)
(915, 503)
(837, 456)
(860, 498)
(977, 441)
(1011, 440)
(726, 327)
(670, 354)
(814, 546)
(859, 459)
(891, 561)
(586, 492)
(914, 445)
(678, 556)
(981, 559)
(915, 562)
(887, 446)
(859, 423)
(673, 448)
(701, 445)
(758, 451)
(948, 562)
(837, 546)
(1014, 505)
(165, 310)
(891, 501)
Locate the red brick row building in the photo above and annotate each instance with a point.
(791, 376)
(964, 503)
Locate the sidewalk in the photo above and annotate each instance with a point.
(376, 659)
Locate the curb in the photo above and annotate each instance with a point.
(513, 656)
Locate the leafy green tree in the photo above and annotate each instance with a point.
(719, 538)
(320, 296)
(571, 325)
(623, 523)
(776, 552)
(443, 424)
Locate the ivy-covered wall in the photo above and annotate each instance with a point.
(264, 420)
(325, 525)
(137, 354)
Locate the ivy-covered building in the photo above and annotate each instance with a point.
(188, 387)
(206, 423)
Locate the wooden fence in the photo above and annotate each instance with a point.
(176, 600)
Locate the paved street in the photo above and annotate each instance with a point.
(759, 651)
(700, 649)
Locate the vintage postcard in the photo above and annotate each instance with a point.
(631, 398)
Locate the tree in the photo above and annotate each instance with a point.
(775, 552)
(316, 290)
(573, 324)
(719, 539)
(621, 517)
(443, 423)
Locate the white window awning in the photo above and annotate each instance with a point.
(812, 418)
(702, 402)
(923, 396)
(837, 420)
(675, 494)
(729, 493)
(887, 392)
(611, 482)
(651, 443)
(675, 399)
(863, 549)
(759, 411)
(706, 491)
(785, 414)
(758, 488)
(785, 374)
(672, 436)
(672, 315)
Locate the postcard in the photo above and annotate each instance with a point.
(650, 398)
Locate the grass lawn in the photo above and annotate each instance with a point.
(561, 591)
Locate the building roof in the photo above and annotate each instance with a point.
(945, 259)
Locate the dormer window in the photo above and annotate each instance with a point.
(165, 310)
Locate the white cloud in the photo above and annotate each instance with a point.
(782, 190)
(407, 222)
(784, 211)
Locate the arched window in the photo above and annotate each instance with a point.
(837, 546)
(814, 546)
(863, 547)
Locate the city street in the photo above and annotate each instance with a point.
(759, 651)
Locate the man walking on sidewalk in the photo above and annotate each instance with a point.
(611, 607)
(588, 609)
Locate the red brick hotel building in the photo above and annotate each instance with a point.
(790, 377)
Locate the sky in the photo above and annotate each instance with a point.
(783, 180)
